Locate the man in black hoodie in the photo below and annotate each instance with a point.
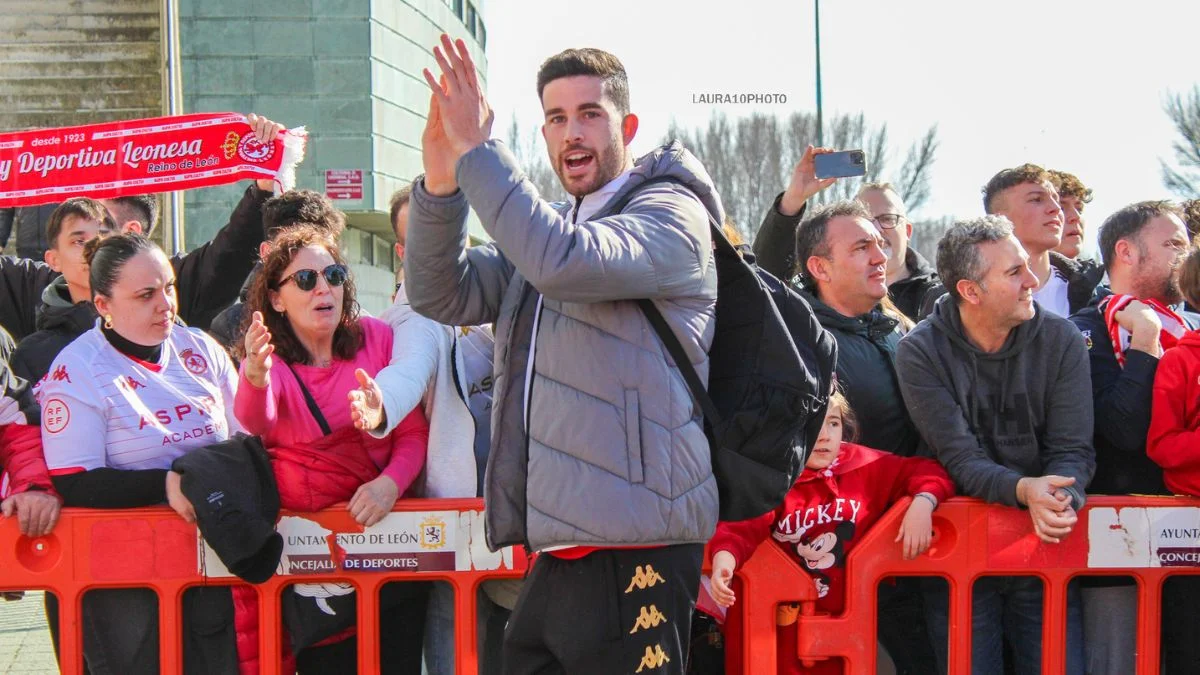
(998, 388)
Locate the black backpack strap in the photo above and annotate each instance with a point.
(656, 319)
(312, 403)
(675, 349)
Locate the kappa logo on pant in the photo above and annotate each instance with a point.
(653, 658)
(648, 618)
(643, 578)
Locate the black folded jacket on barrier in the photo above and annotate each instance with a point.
(232, 488)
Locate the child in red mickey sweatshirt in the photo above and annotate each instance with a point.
(843, 489)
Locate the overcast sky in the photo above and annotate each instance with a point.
(1068, 84)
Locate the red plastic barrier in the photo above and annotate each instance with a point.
(421, 540)
(1146, 538)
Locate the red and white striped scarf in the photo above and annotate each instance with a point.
(1173, 325)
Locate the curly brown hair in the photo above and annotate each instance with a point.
(1026, 173)
(347, 337)
(1191, 217)
(1069, 185)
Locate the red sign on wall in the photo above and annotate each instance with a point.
(344, 183)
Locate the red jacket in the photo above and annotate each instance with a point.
(1174, 438)
(827, 511)
(21, 457)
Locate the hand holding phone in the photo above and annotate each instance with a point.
(842, 164)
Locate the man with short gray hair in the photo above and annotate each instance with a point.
(998, 387)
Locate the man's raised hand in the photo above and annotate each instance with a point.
(804, 183)
(465, 114)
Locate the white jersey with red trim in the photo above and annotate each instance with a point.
(101, 408)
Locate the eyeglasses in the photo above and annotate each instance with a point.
(306, 280)
(887, 221)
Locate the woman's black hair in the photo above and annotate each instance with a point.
(106, 256)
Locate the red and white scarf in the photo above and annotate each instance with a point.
(133, 157)
(1173, 325)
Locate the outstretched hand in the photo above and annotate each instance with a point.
(366, 403)
(723, 564)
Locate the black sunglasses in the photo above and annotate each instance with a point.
(306, 280)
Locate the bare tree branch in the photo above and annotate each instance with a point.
(913, 183)
(530, 151)
(750, 159)
(1184, 111)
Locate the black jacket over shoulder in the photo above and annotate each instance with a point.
(21, 284)
(208, 278)
(1122, 399)
(775, 242)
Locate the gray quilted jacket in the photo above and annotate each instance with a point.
(615, 453)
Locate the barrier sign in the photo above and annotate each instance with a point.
(404, 541)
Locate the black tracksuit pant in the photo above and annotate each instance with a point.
(612, 611)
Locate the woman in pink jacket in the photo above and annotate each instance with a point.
(306, 351)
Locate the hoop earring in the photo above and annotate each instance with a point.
(108, 321)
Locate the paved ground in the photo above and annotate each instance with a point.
(24, 640)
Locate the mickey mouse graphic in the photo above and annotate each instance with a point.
(822, 552)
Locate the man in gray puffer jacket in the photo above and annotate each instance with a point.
(598, 455)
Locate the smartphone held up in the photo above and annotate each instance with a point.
(842, 164)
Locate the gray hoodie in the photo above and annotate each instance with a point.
(596, 440)
(994, 418)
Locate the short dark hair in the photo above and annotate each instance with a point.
(301, 206)
(810, 234)
(588, 61)
(1026, 173)
(75, 207)
(1127, 223)
(958, 251)
(142, 208)
(399, 199)
(1191, 218)
(106, 256)
(1069, 185)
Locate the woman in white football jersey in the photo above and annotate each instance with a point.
(120, 403)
